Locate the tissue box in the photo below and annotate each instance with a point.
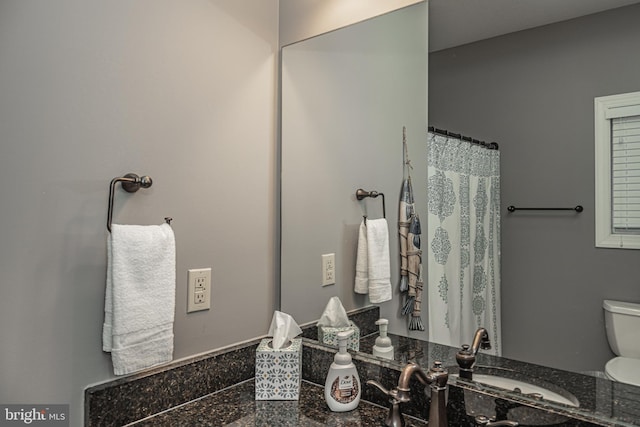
(328, 335)
(278, 372)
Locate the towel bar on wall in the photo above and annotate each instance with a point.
(130, 183)
(361, 194)
(578, 209)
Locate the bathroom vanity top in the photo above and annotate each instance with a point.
(217, 389)
(601, 401)
(236, 406)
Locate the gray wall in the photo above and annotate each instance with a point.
(533, 93)
(182, 91)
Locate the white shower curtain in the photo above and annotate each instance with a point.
(463, 241)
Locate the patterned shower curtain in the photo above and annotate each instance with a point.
(464, 241)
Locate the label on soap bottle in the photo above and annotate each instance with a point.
(344, 389)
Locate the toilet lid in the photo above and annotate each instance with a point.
(624, 370)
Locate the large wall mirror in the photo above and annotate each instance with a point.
(343, 109)
(346, 96)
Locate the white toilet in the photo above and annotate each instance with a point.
(622, 321)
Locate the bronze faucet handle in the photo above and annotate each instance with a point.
(438, 375)
(439, 371)
(465, 358)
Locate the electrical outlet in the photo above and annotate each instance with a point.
(199, 298)
(198, 289)
(328, 269)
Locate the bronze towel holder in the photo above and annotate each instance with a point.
(578, 209)
(361, 194)
(130, 183)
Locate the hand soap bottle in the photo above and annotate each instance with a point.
(383, 347)
(342, 389)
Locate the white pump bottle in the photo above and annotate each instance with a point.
(342, 388)
(383, 347)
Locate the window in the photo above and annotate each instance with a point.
(617, 137)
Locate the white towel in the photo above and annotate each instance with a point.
(362, 267)
(140, 296)
(373, 271)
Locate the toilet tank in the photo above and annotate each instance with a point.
(622, 322)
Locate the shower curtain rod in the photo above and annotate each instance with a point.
(490, 146)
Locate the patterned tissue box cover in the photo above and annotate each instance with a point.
(329, 335)
(278, 372)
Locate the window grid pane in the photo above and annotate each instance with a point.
(625, 168)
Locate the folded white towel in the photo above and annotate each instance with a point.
(373, 271)
(140, 296)
(362, 266)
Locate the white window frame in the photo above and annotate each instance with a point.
(607, 108)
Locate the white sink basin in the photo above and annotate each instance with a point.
(524, 387)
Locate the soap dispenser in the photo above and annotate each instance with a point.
(382, 347)
(342, 388)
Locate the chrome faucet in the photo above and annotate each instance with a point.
(466, 356)
(436, 379)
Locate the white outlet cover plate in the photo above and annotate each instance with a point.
(198, 289)
(328, 269)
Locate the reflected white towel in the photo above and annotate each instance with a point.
(140, 297)
(373, 271)
(362, 267)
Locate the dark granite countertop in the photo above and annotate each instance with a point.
(236, 406)
(601, 401)
(217, 389)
